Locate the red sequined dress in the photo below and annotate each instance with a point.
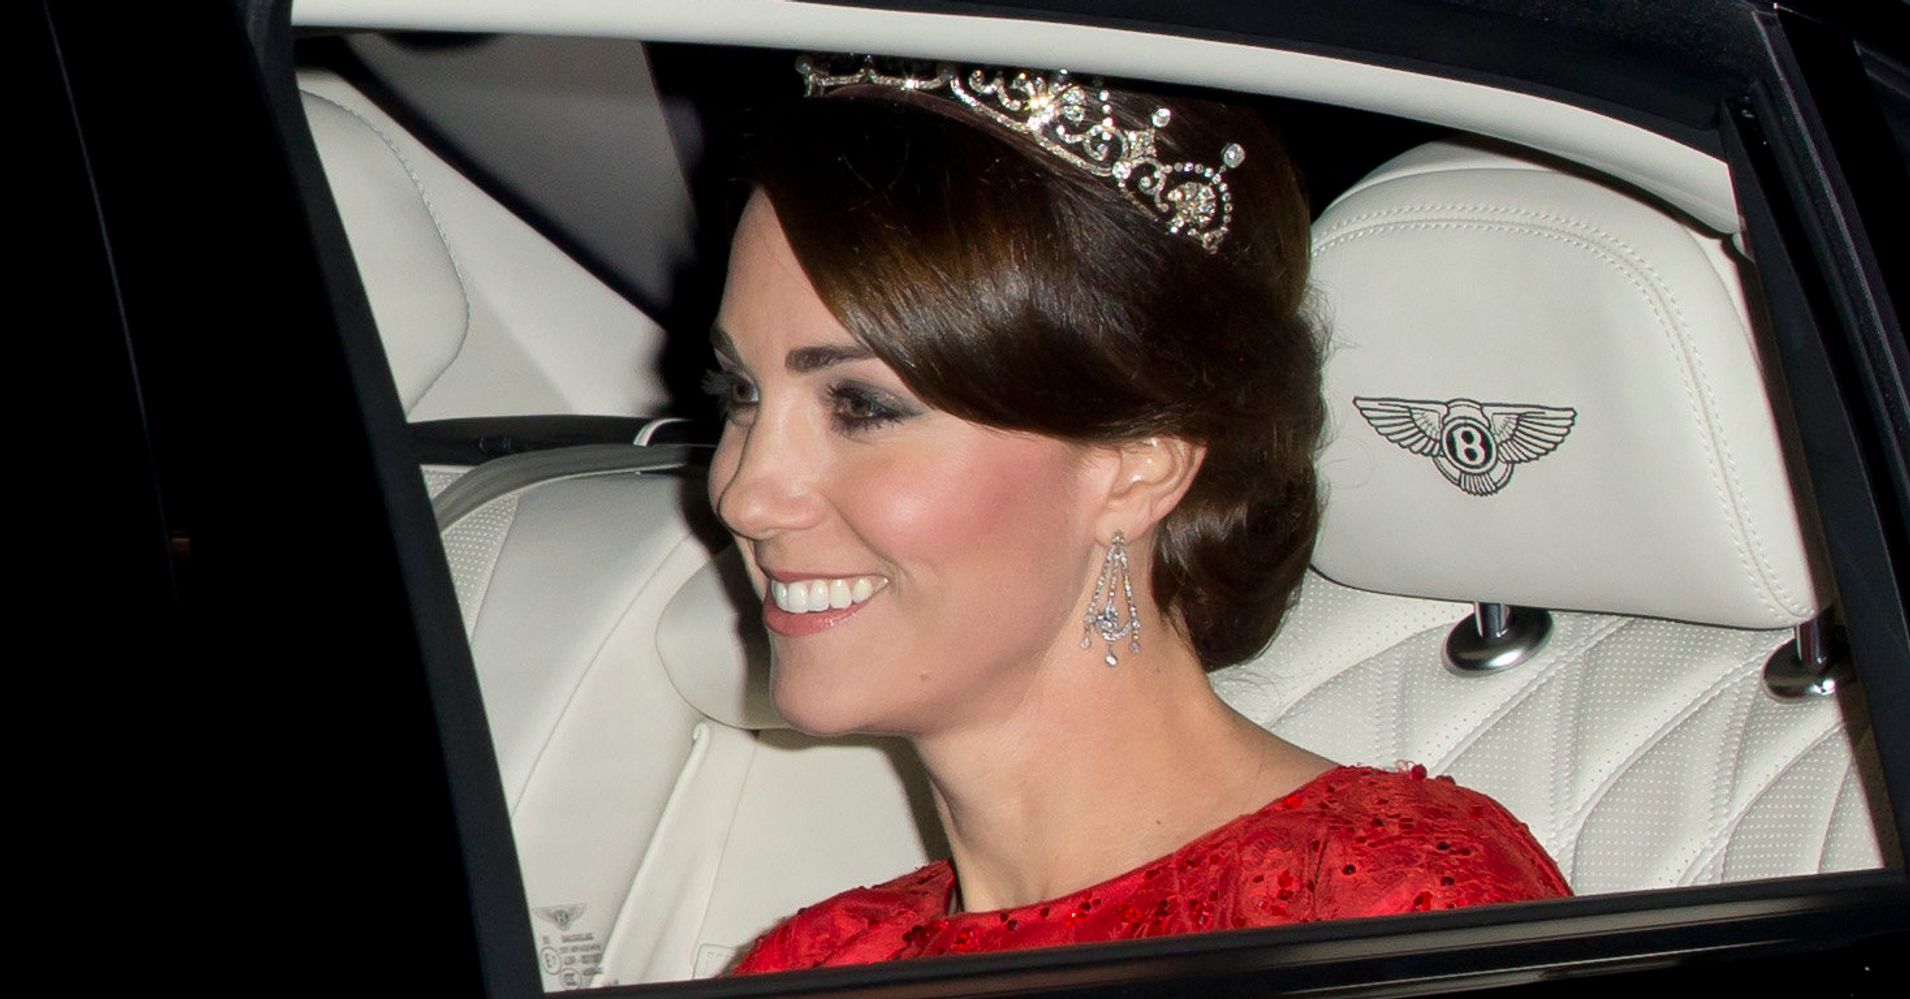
(1355, 841)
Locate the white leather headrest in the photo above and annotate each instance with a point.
(1545, 392)
(716, 655)
(417, 298)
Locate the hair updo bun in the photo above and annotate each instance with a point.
(1011, 288)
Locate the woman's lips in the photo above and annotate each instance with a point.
(790, 625)
(855, 592)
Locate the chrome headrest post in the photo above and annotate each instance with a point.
(1807, 666)
(1496, 637)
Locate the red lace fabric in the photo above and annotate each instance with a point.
(1354, 841)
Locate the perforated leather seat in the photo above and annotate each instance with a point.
(664, 817)
(1642, 749)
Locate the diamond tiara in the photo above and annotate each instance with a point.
(1075, 122)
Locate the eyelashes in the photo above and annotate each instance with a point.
(853, 406)
(729, 390)
(734, 394)
(857, 407)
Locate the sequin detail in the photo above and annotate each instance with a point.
(1381, 842)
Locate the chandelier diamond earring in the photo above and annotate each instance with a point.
(1103, 617)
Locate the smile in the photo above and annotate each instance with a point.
(810, 596)
(807, 606)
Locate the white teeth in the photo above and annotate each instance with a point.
(810, 595)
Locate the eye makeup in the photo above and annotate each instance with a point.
(857, 407)
(733, 392)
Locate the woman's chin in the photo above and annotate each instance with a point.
(814, 709)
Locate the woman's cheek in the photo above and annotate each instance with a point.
(990, 514)
(935, 503)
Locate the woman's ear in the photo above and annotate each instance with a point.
(1151, 476)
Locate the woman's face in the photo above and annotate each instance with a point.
(951, 557)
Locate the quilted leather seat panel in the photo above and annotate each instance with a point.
(1642, 753)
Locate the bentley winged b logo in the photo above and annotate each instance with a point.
(1473, 444)
(561, 915)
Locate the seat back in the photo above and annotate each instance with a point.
(480, 314)
(1546, 392)
(663, 817)
(1642, 753)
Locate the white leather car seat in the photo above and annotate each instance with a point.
(481, 315)
(1638, 490)
(665, 817)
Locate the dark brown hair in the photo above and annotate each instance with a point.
(1013, 289)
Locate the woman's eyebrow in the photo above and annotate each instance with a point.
(803, 360)
(800, 361)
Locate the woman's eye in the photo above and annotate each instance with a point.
(858, 407)
(732, 391)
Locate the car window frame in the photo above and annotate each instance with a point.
(1525, 943)
(289, 682)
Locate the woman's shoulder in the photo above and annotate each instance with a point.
(1347, 790)
(857, 926)
(1390, 841)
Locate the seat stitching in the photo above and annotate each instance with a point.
(1731, 754)
(1584, 810)
(1720, 840)
(1340, 676)
(1670, 325)
(695, 760)
(1345, 675)
(1747, 541)
(1399, 712)
(596, 655)
(1562, 764)
(723, 856)
(431, 211)
(1768, 577)
(1843, 788)
(497, 556)
(1557, 664)
(1394, 747)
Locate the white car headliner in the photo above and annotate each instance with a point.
(1685, 178)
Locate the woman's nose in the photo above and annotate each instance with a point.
(770, 481)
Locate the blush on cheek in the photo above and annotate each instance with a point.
(978, 478)
(993, 530)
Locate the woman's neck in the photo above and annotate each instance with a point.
(1089, 776)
